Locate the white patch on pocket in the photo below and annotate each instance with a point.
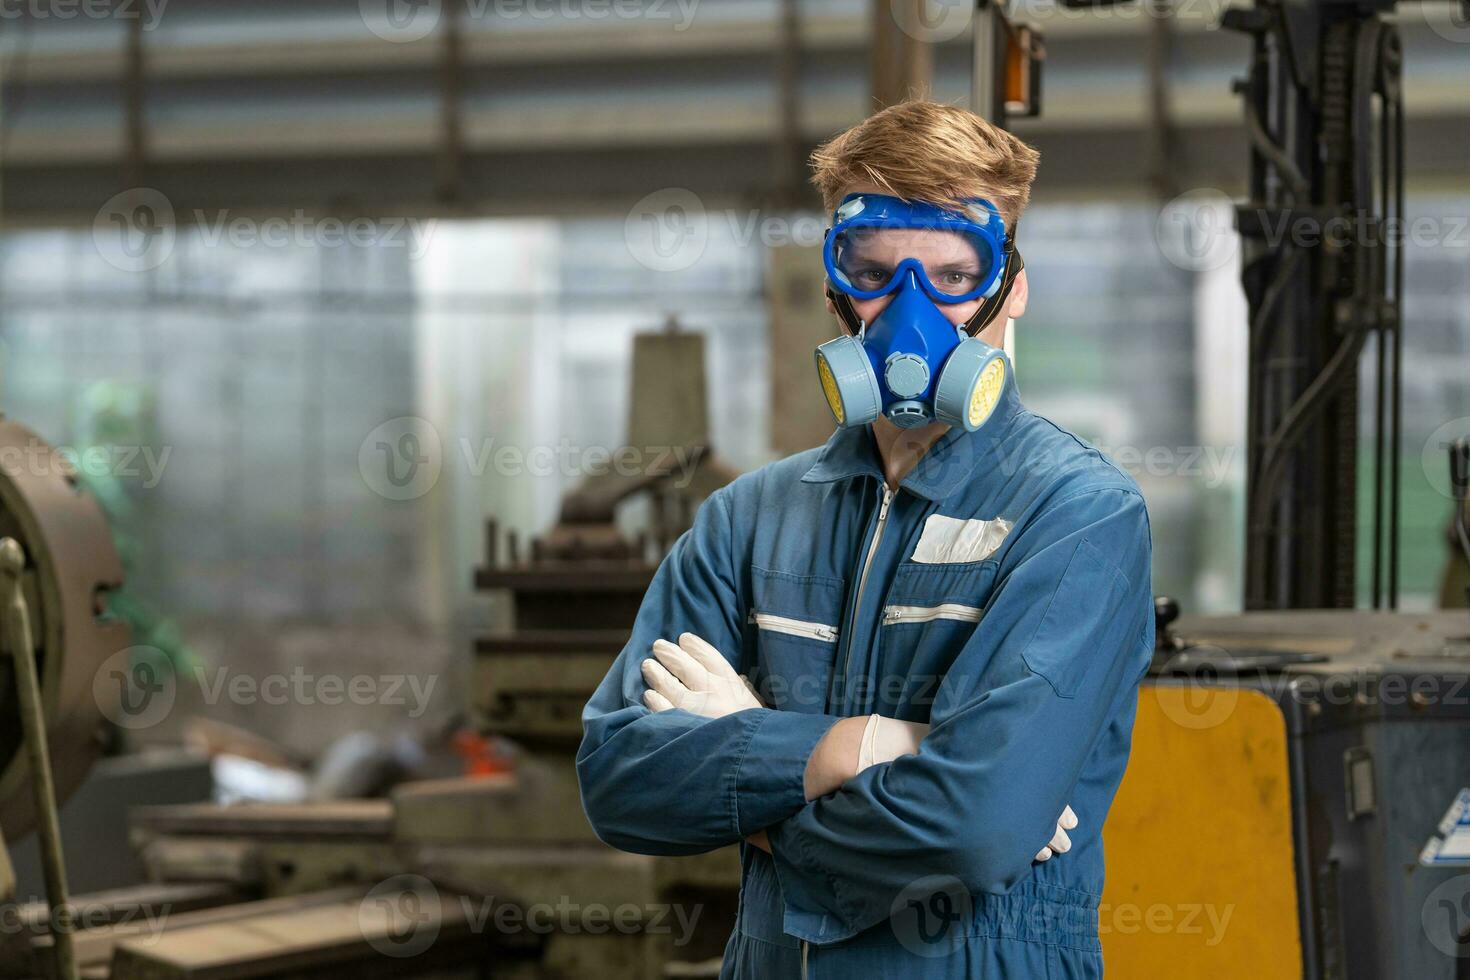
(948, 540)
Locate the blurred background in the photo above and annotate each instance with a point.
(307, 292)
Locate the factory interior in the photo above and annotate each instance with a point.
(362, 361)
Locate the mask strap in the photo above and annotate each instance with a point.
(988, 309)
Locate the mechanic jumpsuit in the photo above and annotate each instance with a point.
(1002, 595)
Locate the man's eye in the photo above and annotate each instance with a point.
(872, 277)
(957, 281)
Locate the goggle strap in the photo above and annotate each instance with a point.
(982, 317)
(843, 303)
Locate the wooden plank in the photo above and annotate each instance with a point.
(326, 936)
(342, 818)
(96, 946)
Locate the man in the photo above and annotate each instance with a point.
(943, 615)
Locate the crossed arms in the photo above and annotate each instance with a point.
(1016, 717)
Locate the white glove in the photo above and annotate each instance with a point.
(885, 739)
(696, 677)
(1060, 843)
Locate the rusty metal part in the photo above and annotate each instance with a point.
(71, 566)
(15, 624)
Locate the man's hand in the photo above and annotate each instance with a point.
(1060, 842)
(694, 676)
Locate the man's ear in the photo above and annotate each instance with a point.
(1016, 303)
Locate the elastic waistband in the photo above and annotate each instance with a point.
(1031, 912)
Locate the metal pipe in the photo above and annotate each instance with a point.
(18, 642)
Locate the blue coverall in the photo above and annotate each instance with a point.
(1020, 637)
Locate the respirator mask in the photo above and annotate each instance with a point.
(911, 364)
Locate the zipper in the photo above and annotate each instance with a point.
(857, 604)
(927, 614)
(794, 627)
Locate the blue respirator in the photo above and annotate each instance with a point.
(913, 365)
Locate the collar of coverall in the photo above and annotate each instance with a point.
(948, 464)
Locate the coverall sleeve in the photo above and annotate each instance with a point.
(1065, 632)
(673, 782)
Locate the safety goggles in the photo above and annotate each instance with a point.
(876, 242)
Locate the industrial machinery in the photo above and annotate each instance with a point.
(447, 877)
(1319, 759)
(1316, 759)
(57, 566)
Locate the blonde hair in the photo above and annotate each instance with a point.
(931, 152)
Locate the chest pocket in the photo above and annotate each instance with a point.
(793, 627)
(930, 613)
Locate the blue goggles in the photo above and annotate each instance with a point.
(869, 249)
